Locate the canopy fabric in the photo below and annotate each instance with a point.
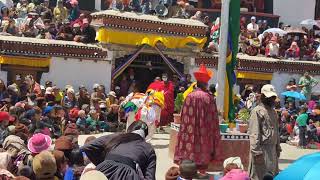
(136, 39)
(171, 66)
(121, 68)
(254, 75)
(25, 61)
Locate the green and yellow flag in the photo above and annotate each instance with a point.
(233, 37)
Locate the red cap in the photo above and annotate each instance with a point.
(203, 75)
(6, 116)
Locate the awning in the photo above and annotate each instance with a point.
(25, 61)
(137, 39)
(254, 75)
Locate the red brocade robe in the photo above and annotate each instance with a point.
(168, 110)
(199, 133)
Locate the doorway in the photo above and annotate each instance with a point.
(146, 67)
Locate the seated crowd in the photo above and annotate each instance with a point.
(254, 41)
(62, 21)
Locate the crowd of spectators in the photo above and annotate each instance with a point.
(254, 41)
(44, 20)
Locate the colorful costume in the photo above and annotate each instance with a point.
(145, 107)
(199, 133)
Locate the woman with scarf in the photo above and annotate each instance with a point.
(293, 52)
(124, 156)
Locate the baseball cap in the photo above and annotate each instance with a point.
(269, 91)
(253, 18)
(6, 116)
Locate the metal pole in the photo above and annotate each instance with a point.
(223, 53)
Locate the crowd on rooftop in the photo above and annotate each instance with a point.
(46, 20)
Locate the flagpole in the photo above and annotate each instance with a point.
(223, 45)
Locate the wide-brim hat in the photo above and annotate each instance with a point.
(203, 74)
(269, 91)
(93, 174)
(39, 142)
(112, 93)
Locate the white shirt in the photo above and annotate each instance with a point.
(252, 27)
(318, 50)
(273, 49)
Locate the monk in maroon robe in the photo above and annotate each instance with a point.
(199, 133)
(168, 110)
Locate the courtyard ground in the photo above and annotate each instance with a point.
(161, 143)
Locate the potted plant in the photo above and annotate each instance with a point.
(243, 116)
(223, 126)
(178, 102)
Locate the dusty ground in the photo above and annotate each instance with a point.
(161, 143)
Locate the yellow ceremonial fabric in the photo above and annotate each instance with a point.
(136, 39)
(254, 75)
(159, 99)
(25, 61)
(189, 90)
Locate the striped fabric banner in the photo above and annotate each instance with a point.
(121, 68)
(167, 61)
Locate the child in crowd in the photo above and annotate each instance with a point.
(81, 122)
(92, 120)
(302, 120)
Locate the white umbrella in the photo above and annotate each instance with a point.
(276, 30)
(310, 22)
(7, 3)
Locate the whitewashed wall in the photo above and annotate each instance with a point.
(75, 72)
(3, 75)
(294, 11)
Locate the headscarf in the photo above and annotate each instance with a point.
(294, 46)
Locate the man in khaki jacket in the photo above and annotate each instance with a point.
(264, 136)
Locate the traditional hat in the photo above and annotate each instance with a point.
(74, 113)
(44, 165)
(6, 116)
(39, 142)
(63, 143)
(203, 75)
(71, 130)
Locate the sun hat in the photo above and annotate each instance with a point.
(44, 165)
(234, 160)
(112, 93)
(93, 174)
(6, 116)
(49, 90)
(39, 142)
(95, 86)
(269, 91)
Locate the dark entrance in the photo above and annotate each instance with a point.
(146, 68)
